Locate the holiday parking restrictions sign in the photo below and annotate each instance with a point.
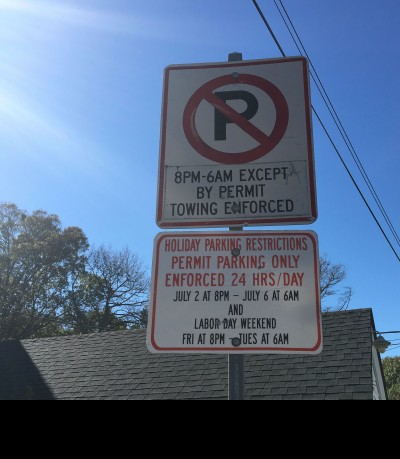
(236, 145)
(235, 292)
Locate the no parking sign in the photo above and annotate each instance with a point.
(236, 145)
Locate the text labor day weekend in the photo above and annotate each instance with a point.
(236, 146)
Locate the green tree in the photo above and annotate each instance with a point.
(391, 368)
(37, 260)
(51, 283)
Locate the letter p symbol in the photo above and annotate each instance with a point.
(222, 121)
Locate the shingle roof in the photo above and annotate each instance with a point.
(117, 365)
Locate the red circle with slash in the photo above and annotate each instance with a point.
(266, 142)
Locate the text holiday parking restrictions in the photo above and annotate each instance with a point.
(236, 145)
(237, 292)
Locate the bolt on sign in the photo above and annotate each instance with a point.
(236, 292)
(236, 145)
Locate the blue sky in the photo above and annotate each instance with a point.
(80, 106)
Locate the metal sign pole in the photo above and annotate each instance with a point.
(236, 368)
(236, 377)
(236, 361)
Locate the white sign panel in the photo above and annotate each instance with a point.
(236, 145)
(236, 292)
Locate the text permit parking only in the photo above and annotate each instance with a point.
(236, 293)
(236, 148)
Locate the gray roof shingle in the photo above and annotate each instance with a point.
(117, 365)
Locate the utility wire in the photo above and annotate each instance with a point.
(269, 27)
(393, 348)
(328, 102)
(389, 333)
(356, 185)
(255, 2)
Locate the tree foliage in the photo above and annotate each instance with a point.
(391, 368)
(52, 283)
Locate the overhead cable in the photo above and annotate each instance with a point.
(328, 102)
(264, 19)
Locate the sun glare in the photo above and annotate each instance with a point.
(29, 125)
(102, 20)
(40, 44)
(26, 118)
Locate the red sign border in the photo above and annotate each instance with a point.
(317, 349)
(219, 223)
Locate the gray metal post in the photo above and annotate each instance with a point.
(236, 361)
(235, 57)
(236, 368)
(236, 377)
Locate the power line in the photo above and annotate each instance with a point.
(255, 2)
(328, 102)
(356, 185)
(269, 27)
(389, 333)
(393, 348)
